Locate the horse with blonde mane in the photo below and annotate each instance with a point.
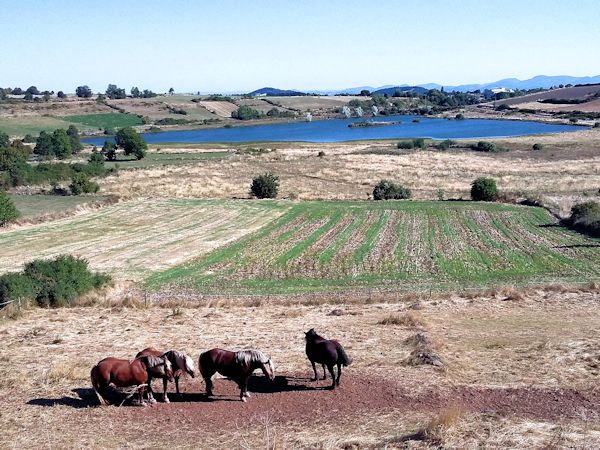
(181, 364)
(235, 365)
(123, 373)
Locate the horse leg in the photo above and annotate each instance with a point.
(165, 398)
(339, 374)
(141, 392)
(331, 371)
(150, 391)
(209, 386)
(244, 388)
(324, 374)
(315, 371)
(177, 387)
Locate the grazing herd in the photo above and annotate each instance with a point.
(151, 363)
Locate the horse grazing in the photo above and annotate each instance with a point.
(123, 373)
(180, 363)
(327, 353)
(236, 365)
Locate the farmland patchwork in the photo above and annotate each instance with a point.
(320, 246)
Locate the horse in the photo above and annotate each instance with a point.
(327, 353)
(236, 365)
(180, 363)
(123, 373)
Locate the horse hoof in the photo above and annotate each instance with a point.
(143, 404)
(152, 400)
(313, 379)
(243, 399)
(166, 400)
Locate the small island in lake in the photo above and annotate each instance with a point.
(372, 123)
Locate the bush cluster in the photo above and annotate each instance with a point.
(413, 143)
(60, 144)
(246, 113)
(490, 147)
(54, 282)
(388, 190)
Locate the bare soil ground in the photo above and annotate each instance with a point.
(520, 372)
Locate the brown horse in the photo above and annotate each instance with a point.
(236, 365)
(180, 363)
(123, 373)
(327, 353)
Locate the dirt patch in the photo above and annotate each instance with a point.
(297, 400)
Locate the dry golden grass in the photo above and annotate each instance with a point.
(548, 339)
(568, 167)
(410, 319)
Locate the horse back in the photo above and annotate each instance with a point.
(322, 352)
(121, 372)
(150, 351)
(218, 360)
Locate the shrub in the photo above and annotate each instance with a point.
(490, 147)
(419, 143)
(484, 189)
(8, 211)
(445, 144)
(537, 146)
(597, 125)
(388, 190)
(321, 154)
(15, 286)
(60, 281)
(265, 186)
(405, 145)
(585, 217)
(81, 184)
(459, 116)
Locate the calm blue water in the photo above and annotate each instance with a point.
(336, 130)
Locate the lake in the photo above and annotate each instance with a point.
(337, 130)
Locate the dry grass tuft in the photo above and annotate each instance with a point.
(65, 372)
(438, 427)
(410, 319)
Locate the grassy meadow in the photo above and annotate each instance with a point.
(321, 246)
(31, 206)
(106, 120)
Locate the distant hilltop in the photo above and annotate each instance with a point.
(540, 81)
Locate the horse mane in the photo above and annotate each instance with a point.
(179, 360)
(153, 361)
(313, 336)
(247, 357)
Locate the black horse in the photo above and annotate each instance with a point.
(327, 353)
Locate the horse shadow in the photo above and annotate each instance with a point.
(85, 398)
(281, 383)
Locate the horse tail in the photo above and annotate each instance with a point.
(94, 374)
(343, 357)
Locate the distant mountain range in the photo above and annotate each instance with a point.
(540, 81)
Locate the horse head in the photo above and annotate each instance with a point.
(311, 334)
(268, 369)
(185, 363)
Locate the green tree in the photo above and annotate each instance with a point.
(8, 211)
(114, 92)
(171, 91)
(44, 146)
(135, 92)
(61, 144)
(484, 189)
(109, 150)
(73, 134)
(131, 142)
(33, 90)
(61, 94)
(265, 186)
(246, 113)
(4, 140)
(83, 92)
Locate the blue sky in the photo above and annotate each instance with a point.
(227, 45)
